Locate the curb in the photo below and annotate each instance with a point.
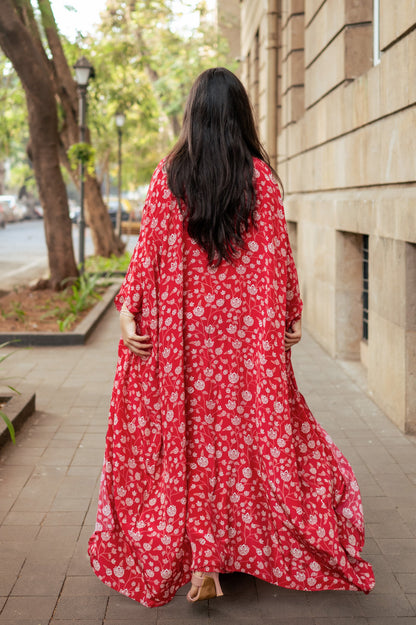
(18, 409)
(78, 336)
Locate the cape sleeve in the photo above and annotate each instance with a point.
(144, 255)
(294, 303)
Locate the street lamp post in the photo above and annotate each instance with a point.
(120, 119)
(83, 72)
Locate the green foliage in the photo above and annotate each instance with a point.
(16, 311)
(82, 153)
(65, 324)
(14, 130)
(81, 296)
(83, 291)
(145, 62)
(101, 264)
(3, 414)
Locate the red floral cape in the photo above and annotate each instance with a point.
(213, 460)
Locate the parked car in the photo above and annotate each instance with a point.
(38, 210)
(8, 206)
(2, 218)
(113, 208)
(74, 213)
(21, 211)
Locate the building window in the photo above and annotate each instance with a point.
(376, 32)
(365, 287)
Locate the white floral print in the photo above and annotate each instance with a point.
(213, 460)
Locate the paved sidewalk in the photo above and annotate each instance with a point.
(48, 491)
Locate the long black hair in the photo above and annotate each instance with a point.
(210, 169)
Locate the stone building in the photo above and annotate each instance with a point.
(333, 83)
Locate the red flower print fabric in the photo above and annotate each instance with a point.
(213, 460)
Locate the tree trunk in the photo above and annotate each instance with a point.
(2, 176)
(19, 46)
(106, 242)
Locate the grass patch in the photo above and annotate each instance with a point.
(101, 264)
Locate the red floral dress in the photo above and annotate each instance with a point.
(213, 460)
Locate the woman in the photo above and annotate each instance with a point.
(213, 461)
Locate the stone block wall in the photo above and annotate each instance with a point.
(345, 147)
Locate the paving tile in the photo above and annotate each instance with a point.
(396, 484)
(69, 436)
(334, 604)
(55, 621)
(180, 610)
(371, 547)
(58, 443)
(389, 529)
(38, 494)
(88, 457)
(407, 620)
(29, 608)
(38, 580)
(94, 441)
(407, 581)
(60, 454)
(81, 608)
(385, 605)
(79, 585)
(65, 504)
(92, 511)
(31, 439)
(57, 457)
(355, 620)
(386, 582)
(409, 516)
(258, 620)
(53, 534)
(403, 563)
(80, 562)
(238, 606)
(20, 518)
(7, 581)
(21, 533)
(19, 621)
(397, 545)
(64, 518)
(166, 620)
(43, 551)
(122, 608)
(20, 456)
(88, 471)
(77, 486)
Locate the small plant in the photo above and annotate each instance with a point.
(82, 293)
(83, 290)
(18, 311)
(82, 153)
(3, 414)
(65, 324)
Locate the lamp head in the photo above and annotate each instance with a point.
(83, 71)
(120, 119)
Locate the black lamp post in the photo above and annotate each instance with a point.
(83, 72)
(120, 119)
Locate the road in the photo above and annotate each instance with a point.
(23, 252)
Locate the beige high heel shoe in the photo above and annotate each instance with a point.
(208, 585)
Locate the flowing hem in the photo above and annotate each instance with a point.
(142, 595)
